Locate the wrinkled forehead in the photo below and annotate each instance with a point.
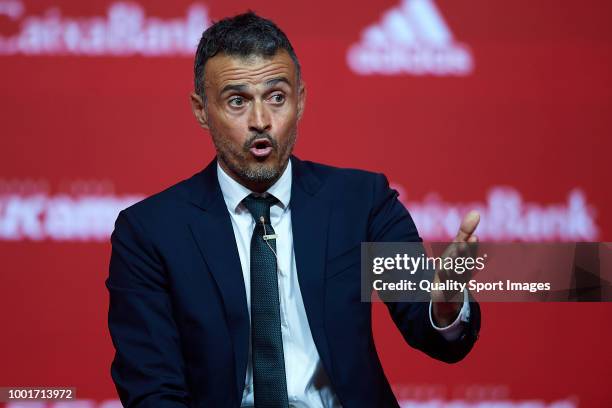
(253, 70)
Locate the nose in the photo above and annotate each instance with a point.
(259, 117)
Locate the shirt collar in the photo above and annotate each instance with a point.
(234, 192)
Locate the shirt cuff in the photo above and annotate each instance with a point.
(453, 330)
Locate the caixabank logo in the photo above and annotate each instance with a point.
(124, 30)
(410, 39)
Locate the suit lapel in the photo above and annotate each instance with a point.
(214, 235)
(310, 222)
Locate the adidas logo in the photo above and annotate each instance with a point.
(411, 39)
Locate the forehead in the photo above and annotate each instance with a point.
(223, 69)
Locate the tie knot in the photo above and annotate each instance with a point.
(259, 206)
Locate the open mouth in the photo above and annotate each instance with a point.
(261, 148)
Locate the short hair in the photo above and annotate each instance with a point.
(242, 35)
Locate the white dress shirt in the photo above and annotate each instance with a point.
(307, 382)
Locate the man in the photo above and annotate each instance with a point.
(240, 286)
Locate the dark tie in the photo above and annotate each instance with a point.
(269, 382)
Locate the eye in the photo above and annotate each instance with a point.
(278, 98)
(236, 101)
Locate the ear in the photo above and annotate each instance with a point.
(301, 100)
(197, 107)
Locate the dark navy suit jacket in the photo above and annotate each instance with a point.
(178, 314)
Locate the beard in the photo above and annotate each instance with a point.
(241, 162)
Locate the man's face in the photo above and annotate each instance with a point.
(253, 106)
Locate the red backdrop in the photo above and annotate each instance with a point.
(503, 106)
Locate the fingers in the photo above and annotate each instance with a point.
(468, 226)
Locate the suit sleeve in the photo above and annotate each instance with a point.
(391, 222)
(148, 367)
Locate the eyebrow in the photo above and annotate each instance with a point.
(241, 87)
(274, 81)
(236, 88)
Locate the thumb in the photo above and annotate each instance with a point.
(468, 226)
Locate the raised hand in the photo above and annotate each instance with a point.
(447, 303)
